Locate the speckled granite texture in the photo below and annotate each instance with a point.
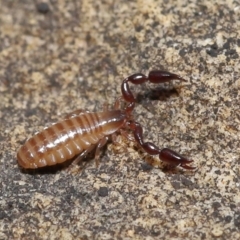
(63, 55)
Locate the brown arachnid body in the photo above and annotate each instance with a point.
(82, 131)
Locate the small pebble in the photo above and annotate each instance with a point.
(43, 7)
(103, 192)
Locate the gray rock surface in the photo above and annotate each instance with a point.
(74, 54)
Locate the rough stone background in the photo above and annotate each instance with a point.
(63, 55)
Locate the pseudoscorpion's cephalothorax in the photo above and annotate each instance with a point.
(83, 131)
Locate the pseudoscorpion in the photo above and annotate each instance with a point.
(83, 131)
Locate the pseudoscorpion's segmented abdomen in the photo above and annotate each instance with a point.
(63, 140)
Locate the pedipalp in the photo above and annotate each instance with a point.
(166, 155)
